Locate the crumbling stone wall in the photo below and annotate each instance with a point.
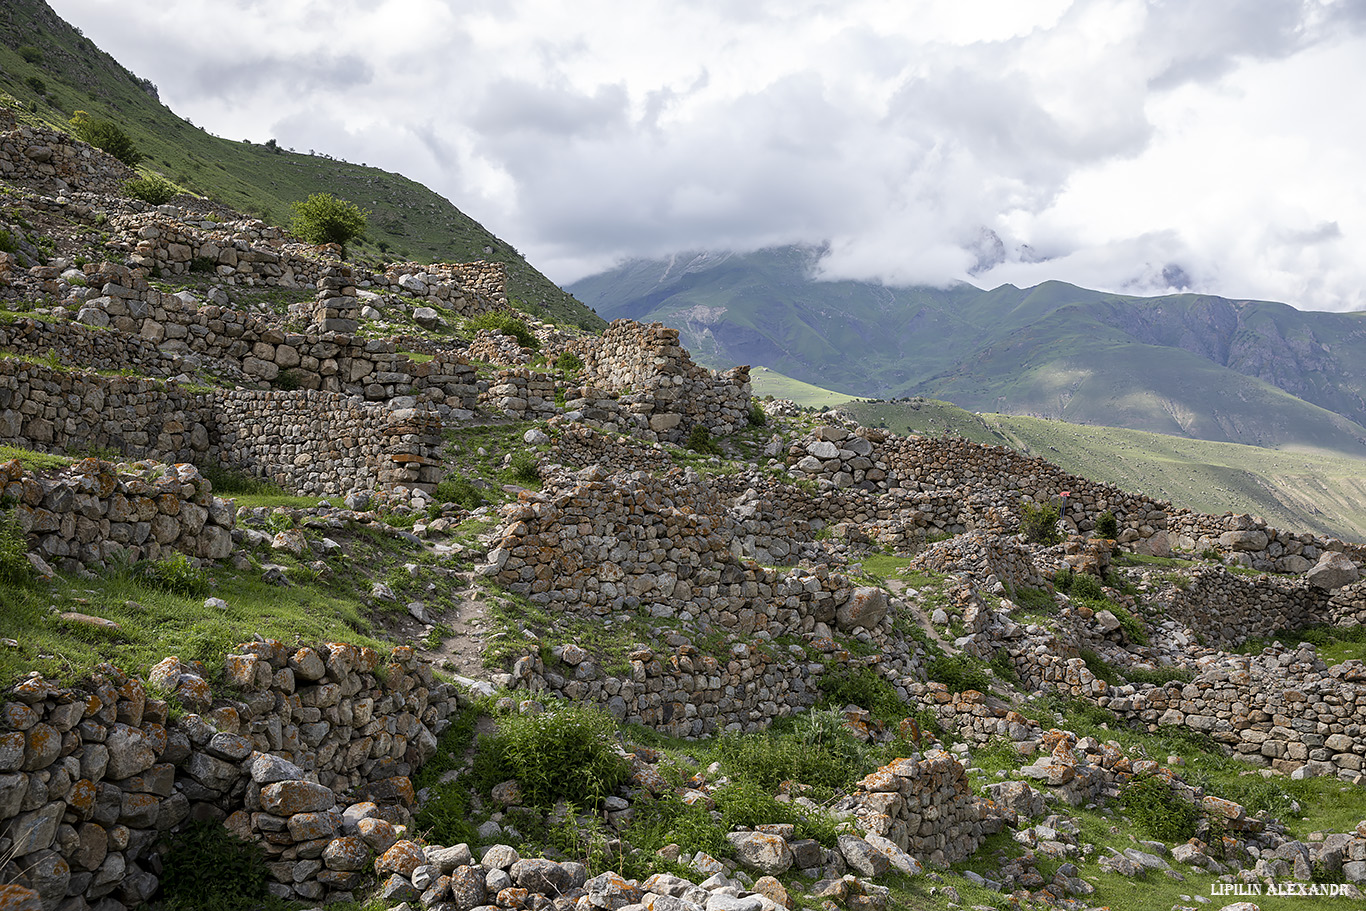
(924, 805)
(1250, 541)
(321, 443)
(603, 542)
(878, 462)
(679, 690)
(1227, 608)
(68, 411)
(467, 288)
(93, 512)
(1284, 708)
(523, 393)
(92, 349)
(92, 777)
(671, 391)
(54, 162)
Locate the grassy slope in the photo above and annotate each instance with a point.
(411, 221)
(766, 382)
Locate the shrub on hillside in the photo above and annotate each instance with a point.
(700, 441)
(506, 323)
(106, 135)
(1107, 526)
(325, 219)
(569, 362)
(206, 867)
(14, 566)
(176, 574)
(567, 752)
(1157, 810)
(153, 189)
(460, 491)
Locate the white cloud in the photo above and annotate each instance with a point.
(1116, 137)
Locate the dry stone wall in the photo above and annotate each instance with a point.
(1248, 540)
(95, 512)
(92, 349)
(180, 324)
(468, 288)
(321, 443)
(1284, 708)
(1227, 609)
(54, 162)
(91, 778)
(679, 690)
(666, 387)
(878, 462)
(309, 442)
(67, 411)
(925, 806)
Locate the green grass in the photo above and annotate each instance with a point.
(35, 461)
(155, 623)
(766, 382)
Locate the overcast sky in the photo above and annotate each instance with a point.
(1117, 144)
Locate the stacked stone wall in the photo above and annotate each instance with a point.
(1250, 541)
(925, 806)
(878, 462)
(522, 393)
(680, 691)
(309, 442)
(604, 543)
(1227, 608)
(94, 512)
(576, 447)
(1284, 708)
(322, 443)
(68, 411)
(54, 162)
(468, 288)
(92, 349)
(170, 241)
(91, 778)
(671, 391)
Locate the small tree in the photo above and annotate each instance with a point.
(1039, 523)
(325, 219)
(106, 135)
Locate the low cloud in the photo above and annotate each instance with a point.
(1119, 144)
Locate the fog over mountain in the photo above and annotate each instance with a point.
(1130, 146)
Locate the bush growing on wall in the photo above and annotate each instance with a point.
(106, 135)
(325, 219)
(154, 189)
(1039, 523)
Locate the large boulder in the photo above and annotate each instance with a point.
(1333, 571)
(769, 854)
(864, 610)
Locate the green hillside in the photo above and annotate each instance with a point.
(1251, 372)
(53, 71)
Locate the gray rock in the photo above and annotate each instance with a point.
(761, 851)
(1333, 571)
(499, 857)
(862, 858)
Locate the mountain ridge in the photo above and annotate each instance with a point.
(1246, 371)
